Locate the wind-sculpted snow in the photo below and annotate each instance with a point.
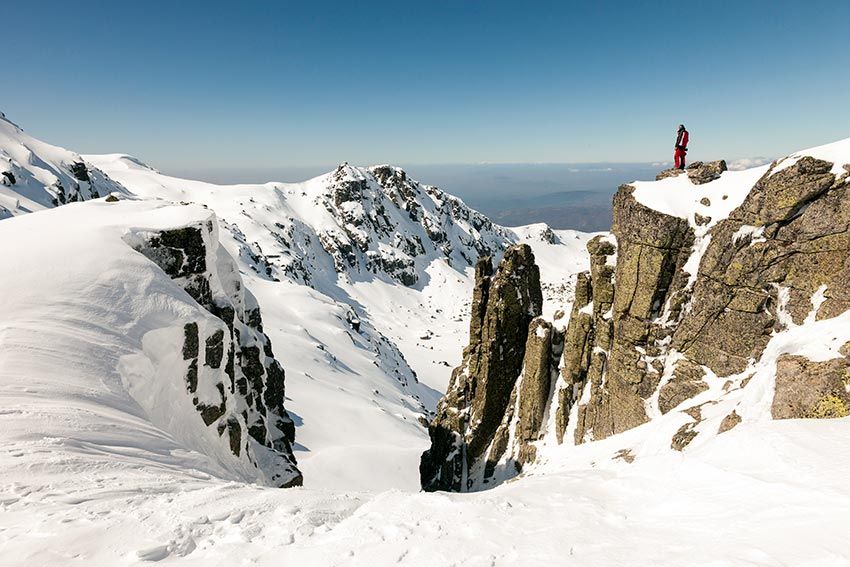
(161, 352)
(765, 494)
(235, 382)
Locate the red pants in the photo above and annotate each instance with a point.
(679, 157)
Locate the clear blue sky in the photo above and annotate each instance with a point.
(191, 85)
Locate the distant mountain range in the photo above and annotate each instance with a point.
(588, 211)
(564, 196)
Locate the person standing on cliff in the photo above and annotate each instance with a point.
(681, 147)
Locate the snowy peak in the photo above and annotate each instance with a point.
(387, 223)
(368, 222)
(35, 175)
(363, 276)
(127, 161)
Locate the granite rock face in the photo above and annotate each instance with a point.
(232, 376)
(468, 417)
(671, 317)
(651, 249)
(766, 262)
(812, 389)
(524, 421)
(778, 259)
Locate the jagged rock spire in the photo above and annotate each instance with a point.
(480, 389)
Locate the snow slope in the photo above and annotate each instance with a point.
(762, 495)
(35, 175)
(93, 472)
(308, 251)
(91, 350)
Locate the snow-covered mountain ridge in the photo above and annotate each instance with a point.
(35, 175)
(363, 275)
(106, 459)
(391, 254)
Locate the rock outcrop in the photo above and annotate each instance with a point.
(624, 369)
(674, 314)
(812, 389)
(232, 376)
(480, 390)
(777, 259)
(391, 225)
(698, 172)
(524, 420)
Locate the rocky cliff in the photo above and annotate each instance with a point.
(696, 305)
(465, 446)
(231, 374)
(697, 299)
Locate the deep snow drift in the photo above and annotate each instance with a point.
(92, 362)
(92, 473)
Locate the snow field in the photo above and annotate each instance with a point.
(100, 464)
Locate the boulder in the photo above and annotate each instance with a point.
(730, 421)
(700, 172)
(672, 172)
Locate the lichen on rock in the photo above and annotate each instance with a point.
(641, 292)
(673, 308)
(808, 389)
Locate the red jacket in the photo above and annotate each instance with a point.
(682, 140)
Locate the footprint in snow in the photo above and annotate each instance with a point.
(157, 553)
